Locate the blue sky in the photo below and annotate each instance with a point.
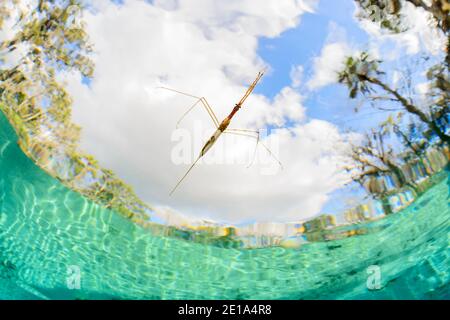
(298, 47)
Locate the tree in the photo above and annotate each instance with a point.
(389, 14)
(413, 137)
(373, 157)
(50, 38)
(362, 76)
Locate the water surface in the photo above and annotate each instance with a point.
(47, 229)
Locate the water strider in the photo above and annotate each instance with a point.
(221, 127)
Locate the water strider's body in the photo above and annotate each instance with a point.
(221, 127)
(226, 122)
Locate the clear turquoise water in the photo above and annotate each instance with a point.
(45, 228)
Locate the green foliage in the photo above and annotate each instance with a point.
(357, 70)
(50, 38)
(439, 93)
(388, 14)
(384, 12)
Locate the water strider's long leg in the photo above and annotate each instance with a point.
(243, 130)
(185, 175)
(189, 110)
(247, 133)
(203, 101)
(213, 115)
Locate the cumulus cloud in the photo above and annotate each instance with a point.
(206, 48)
(330, 61)
(328, 64)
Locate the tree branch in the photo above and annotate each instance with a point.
(408, 106)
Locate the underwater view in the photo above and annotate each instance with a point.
(337, 188)
(45, 227)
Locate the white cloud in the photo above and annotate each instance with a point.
(206, 48)
(328, 64)
(331, 59)
(296, 75)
